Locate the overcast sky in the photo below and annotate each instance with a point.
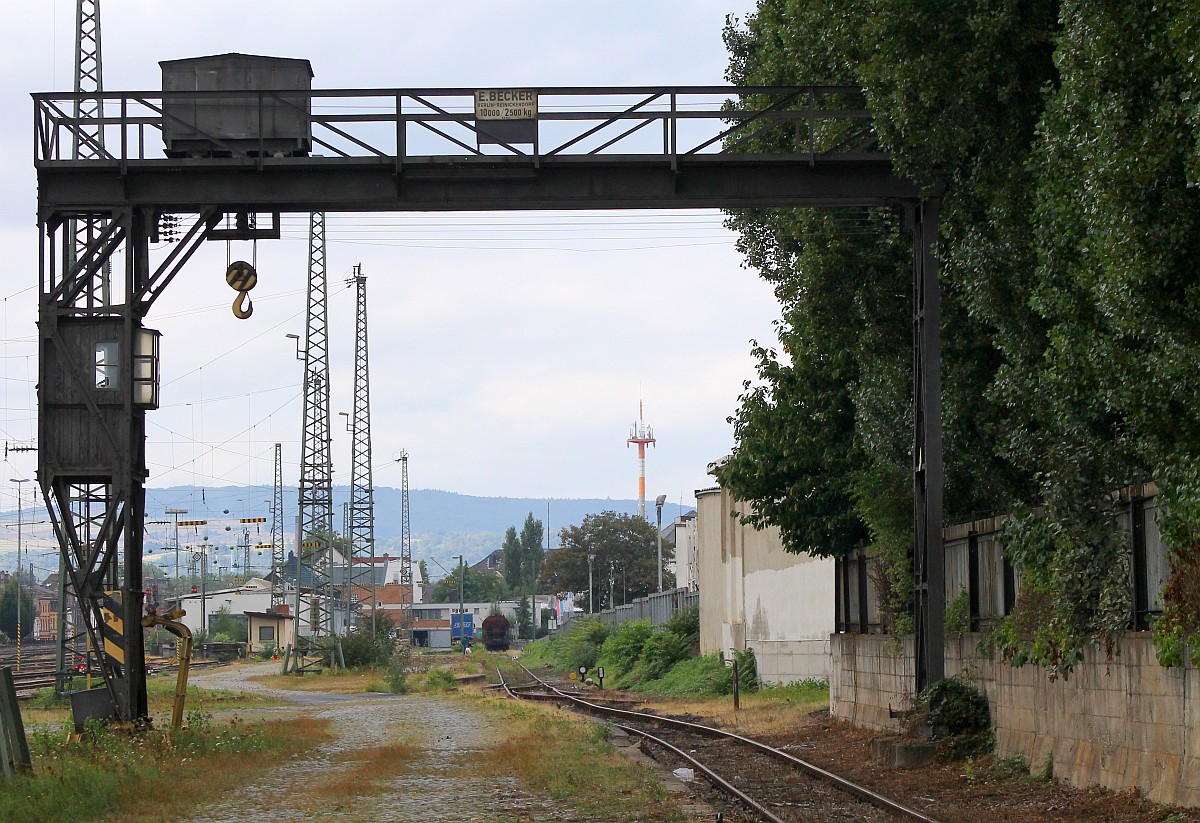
(509, 351)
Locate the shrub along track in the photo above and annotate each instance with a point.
(739, 767)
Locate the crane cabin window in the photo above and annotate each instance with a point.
(107, 367)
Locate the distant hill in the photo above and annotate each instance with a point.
(444, 524)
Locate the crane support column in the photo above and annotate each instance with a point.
(98, 374)
(929, 560)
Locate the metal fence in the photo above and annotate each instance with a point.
(658, 608)
(976, 564)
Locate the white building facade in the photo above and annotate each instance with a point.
(754, 595)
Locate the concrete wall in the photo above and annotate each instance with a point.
(1120, 724)
(756, 595)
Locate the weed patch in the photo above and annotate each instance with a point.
(121, 774)
(368, 770)
(571, 760)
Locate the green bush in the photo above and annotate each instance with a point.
(747, 670)
(579, 646)
(663, 650)
(439, 680)
(686, 625)
(958, 714)
(623, 648)
(360, 649)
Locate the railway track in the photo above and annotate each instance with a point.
(745, 771)
(38, 667)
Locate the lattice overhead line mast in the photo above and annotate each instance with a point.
(278, 590)
(406, 577)
(88, 502)
(362, 490)
(313, 556)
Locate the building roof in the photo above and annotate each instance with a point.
(493, 562)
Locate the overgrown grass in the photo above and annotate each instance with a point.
(132, 776)
(807, 695)
(571, 760)
(341, 681)
(694, 677)
(44, 707)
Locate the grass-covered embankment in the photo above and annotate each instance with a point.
(636, 656)
(146, 775)
(665, 662)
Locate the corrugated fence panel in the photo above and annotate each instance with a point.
(658, 608)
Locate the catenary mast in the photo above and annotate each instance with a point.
(313, 555)
(406, 577)
(362, 492)
(278, 589)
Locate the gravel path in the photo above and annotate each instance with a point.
(439, 785)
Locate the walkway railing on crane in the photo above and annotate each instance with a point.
(667, 122)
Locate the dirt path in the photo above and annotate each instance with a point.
(438, 784)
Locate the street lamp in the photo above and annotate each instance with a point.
(20, 488)
(591, 560)
(658, 504)
(300, 353)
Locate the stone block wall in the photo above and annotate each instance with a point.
(1120, 724)
(868, 679)
(787, 661)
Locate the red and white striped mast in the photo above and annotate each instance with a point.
(642, 435)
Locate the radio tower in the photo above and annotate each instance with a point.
(316, 464)
(88, 501)
(362, 490)
(643, 435)
(406, 578)
(278, 590)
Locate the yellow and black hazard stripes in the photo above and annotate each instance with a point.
(112, 626)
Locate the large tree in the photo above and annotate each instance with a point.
(532, 553)
(8, 609)
(621, 544)
(523, 555)
(513, 562)
(1066, 139)
(478, 587)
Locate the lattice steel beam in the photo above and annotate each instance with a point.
(278, 589)
(406, 578)
(362, 490)
(314, 555)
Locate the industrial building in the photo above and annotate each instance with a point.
(755, 595)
